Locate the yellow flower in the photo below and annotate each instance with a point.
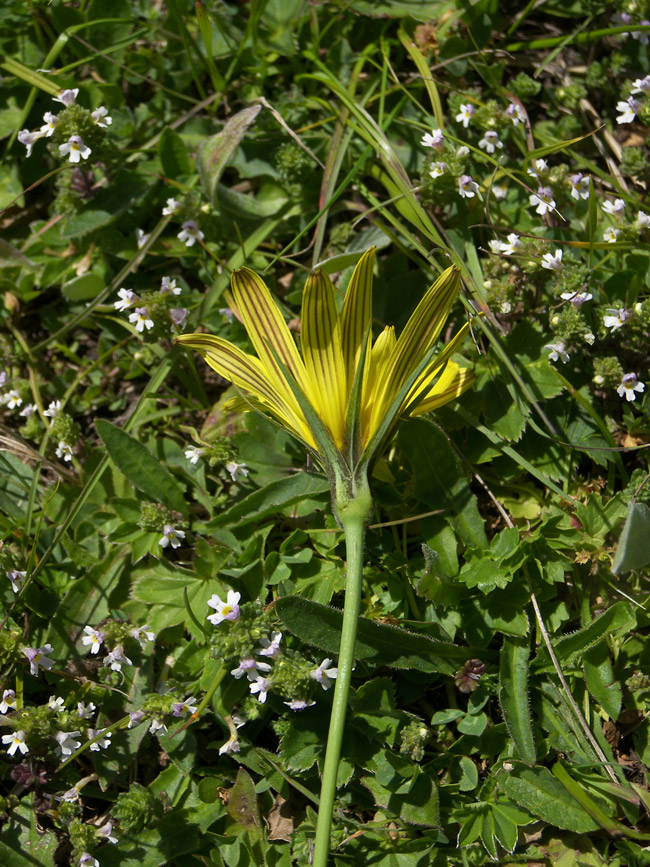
(341, 398)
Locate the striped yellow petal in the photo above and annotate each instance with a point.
(267, 329)
(380, 356)
(424, 384)
(416, 340)
(451, 384)
(320, 339)
(248, 373)
(357, 313)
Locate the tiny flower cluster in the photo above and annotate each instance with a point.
(115, 635)
(154, 308)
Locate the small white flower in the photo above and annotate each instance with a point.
(94, 638)
(193, 454)
(236, 469)
(641, 85)
(610, 235)
(544, 200)
(516, 113)
(463, 151)
(16, 740)
(67, 97)
(29, 139)
(628, 110)
(171, 536)
(465, 114)
(437, 169)
(67, 743)
(87, 860)
(142, 635)
(127, 299)
(512, 245)
(168, 285)
(141, 238)
(53, 409)
(103, 742)
(435, 139)
(117, 658)
(227, 312)
(16, 578)
(552, 261)
(228, 610)
(642, 220)
(38, 658)
(101, 118)
(56, 703)
(49, 126)
(299, 704)
(8, 701)
(140, 317)
(28, 411)
(490, 142)
(615, 208)
(106, 831)
(171, 207)
(576, 298)
(135, 718)
(539, 167)
(629, 387)
(75, 148)
(557, 350)
(64, 451)
(182, 707)
(579, 186)
(249, 667)
(467, 187)
(157, 726)
(231, 745)
(270, 648)
(178, 315)
(495, 246)
(260, 687)
(85, 711)
(589, 338)
(499, 191)
(189, 233)
(615, 318)
(324, 674)
(13, 399)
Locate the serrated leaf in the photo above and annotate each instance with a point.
(272, 498)
(213, 154)
(140, 467)
(513, 695)
(23, 843)
(537, 790)
(633, 550)
(377, 643)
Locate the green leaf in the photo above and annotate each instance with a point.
(537, 790)
(213, 154)
(377, 643)
(162, 588)
(600, 679)
(513, 695)
(83, 288)
(415, 801)
(140, 467)
(633, 551)
(23, 843)
(242, 804)
(172, 154)
(273, 498)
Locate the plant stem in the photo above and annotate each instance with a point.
(353, 516)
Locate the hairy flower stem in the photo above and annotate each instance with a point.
(353, 515)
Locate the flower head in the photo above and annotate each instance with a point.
(516, 113)
(642, 220)
(64, 451)
(172, 207)
(467, 187)
(101, 118)
(577, 298)
(465, 114)
(236, 469)
(491, 142)
(231, 745)
(87, 859)
(15, 741)
(16, 579)
(141, 238)
(512, 245)
(85, 711)
(228, 610)
(342, 397)
(49, 125)
(171, 536)
(552, 261)
(299, 704)
(127, 299)
(324, 674)
(75, 149)
(179, 708)
(53, 409)
(615, 208)
(544, 200)
(142, 635)
(249, 667)
(8, 701)
(116, 658)
(437, 169)
(641, 85)
(101, 743)
(630, 386)
(67, 97)
(270, 647)
(178, 315)
(193, 454)
(628, 110)
(579, 186)
(12, 398)
(38, 658)
(190, 233)
(260, 687)
(141, 319)
(56, 703)
(94, 638)
(615, 318)
(29, 139)
(435, 139)
(67, 743)
(557, 350)
(168, 285)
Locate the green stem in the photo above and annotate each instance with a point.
(353, 515)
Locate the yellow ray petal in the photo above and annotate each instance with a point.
(320, 338)
(451, 384)
(356, 315)
(249, 374)
(380, 355)
(424, 383)
(267, 329)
